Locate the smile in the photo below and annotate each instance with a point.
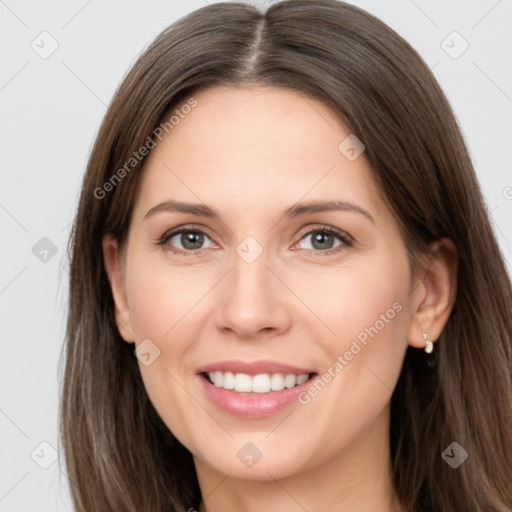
(253, 390)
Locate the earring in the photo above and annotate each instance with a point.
(429, 345)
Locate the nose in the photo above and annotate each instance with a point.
(253, 301)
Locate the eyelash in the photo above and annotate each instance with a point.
(343, 237)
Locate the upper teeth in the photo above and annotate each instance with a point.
(262, 383)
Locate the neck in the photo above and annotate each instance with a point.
(356, 479)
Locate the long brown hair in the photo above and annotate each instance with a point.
(119, 454)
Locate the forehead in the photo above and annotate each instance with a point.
(280, 120)
(257, 148)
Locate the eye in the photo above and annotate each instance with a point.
(189, 240)
(323, 240)
(185, 240)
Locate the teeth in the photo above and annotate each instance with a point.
(277, 382)
(290, 381)
(262, 383)
(229, 380)
(302, 378)
(218, 379)
(243, 382)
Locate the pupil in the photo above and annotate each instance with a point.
(191, 240)
(321, 238)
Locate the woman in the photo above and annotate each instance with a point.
(285, 290)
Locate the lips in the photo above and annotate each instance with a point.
(253, 368)
(253, 389)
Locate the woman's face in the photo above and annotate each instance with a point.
(258, 287)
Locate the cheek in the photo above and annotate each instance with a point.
(365, 307)
(160, 298)
(165, 306)
(360, 301)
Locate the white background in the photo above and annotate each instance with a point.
(50, 111)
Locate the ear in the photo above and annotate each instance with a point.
(114, 268)
(434, 295)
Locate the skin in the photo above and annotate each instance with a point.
(250, 153)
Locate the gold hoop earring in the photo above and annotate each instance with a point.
(429, 345)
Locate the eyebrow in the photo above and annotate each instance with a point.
(296, 210)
